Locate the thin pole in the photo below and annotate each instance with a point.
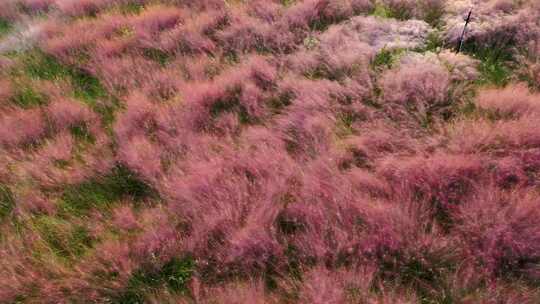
(460, 46)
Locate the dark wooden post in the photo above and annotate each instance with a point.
(464, 30)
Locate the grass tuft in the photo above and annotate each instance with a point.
(7, 201)
(63, 238)
(5, 26)
(27, 97)
(103, 192)
(86, 87)
(495, 62)
(174, 276)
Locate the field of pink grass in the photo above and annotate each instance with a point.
(269, 151)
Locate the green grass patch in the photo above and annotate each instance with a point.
(434, 43)
(63, 238)
(7, 202)
(5, 26)
(157, 55)
(345, 123)
(386, 58)
(288, 2)
(27, 97)
(82, 133)
(86, 87)
(231, 104)
(381, 11)
(131, 8)
(433, 14)
(496, 62)
(280, 101)
(397, 12)
(174, 276)
(103, 192)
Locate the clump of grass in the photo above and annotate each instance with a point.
(386, 58)
(41, 66)
(397, 12)
(280, 101)
(103, 192)
(157, 55)
(495, 62)
(5, 26)
(27, 97)
(86, 87)
(131, 8)
(230, 104)
(434, 42)
(381, 11)
(174, 276)
(63, 238)
(7, 201)
(82, 133)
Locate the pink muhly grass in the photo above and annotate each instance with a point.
(162, 86)
(81, 7)
(34, 202)
(111, 257)
(6, 92)
(365, 182)
(268, 11)
(306, 137)
(68, 43)
(159, 242)
(512, 101)
(57, 150)
(440, 182)
(9, 10)
(471, 136)
(311, 96)
(237, 293)
(462, 67)
(35, 6)
(491, 26)
(64, 113)
(231, 209)
(244, 34)
(254, 248)
(372, 33)
(512, 172)
(142, 156)
(22, 127)
(154, 20)
(320, 13)
(186, 41)
(53, 164)
(194, 35)
(416, 85)
(125, 219)
(333, 287)
(502, 233)
(199, 68)
(137, 119)
(126, 73)
(239, 91)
